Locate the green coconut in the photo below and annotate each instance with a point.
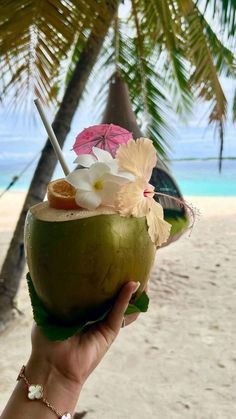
(79, 260)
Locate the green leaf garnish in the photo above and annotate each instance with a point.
(53, 328)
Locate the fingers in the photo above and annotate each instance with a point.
(114, 320)
(130, 318)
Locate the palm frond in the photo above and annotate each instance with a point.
(36, 38)
(224, 58)
(167, 52)
(149, 100)
(25, 49)
(225, 11)
(204, 75)
(204, 72)
(121, 52)
(168, 38)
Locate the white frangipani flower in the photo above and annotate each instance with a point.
(85, 160)
(102, 156)
(96, 185)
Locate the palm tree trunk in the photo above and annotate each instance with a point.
(14, 262)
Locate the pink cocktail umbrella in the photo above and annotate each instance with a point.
(105, 136)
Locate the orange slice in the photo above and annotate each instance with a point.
(61, 195)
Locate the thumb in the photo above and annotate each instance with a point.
(114, 319)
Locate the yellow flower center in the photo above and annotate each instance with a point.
(98, 185)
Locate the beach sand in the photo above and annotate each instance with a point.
(179, 359)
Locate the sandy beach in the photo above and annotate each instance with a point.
(179, 359)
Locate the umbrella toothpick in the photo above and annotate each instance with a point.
(52, 137)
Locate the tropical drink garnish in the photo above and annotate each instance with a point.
(99, 229)
(61, 195)
(121, 183)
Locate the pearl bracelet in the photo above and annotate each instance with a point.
(36, 392)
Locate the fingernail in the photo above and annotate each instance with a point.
(137, 285)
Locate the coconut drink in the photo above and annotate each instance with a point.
(79, 260)
(98, 230)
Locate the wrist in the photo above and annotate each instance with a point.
(59, 390)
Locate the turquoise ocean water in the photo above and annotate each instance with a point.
(19, 144)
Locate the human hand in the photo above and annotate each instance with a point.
(75, 358)
(63, 367)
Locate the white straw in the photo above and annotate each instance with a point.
(52, 137)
